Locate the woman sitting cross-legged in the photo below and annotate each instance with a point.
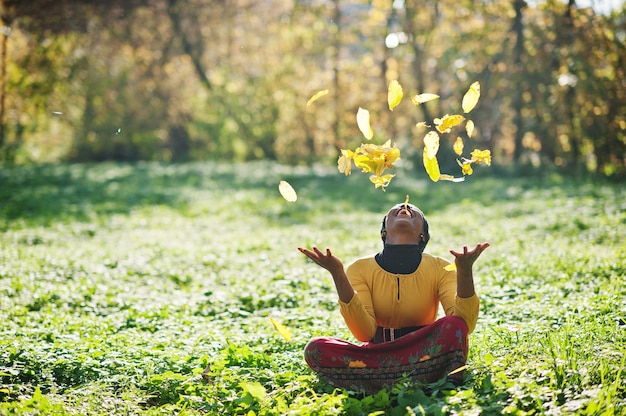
(389, 302)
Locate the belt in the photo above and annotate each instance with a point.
(391, 334)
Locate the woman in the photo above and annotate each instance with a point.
(390, 301)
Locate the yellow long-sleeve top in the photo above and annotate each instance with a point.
(394, 300)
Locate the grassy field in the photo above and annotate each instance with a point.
(120, 284)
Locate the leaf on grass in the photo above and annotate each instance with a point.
(315, 97)
(458, 370)
(282, 329)
(458, 146)
(394, 94)
(445, 124)
(287, 191)
(469, 128)
(450, 267)
(423, 98)
(470, 99)
(363, 122)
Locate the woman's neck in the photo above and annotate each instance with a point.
(400, 258)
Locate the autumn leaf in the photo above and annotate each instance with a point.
(450, 267)
(381, 181)
(282, 329)
(446, 177)
(363, 122)
(431, 144)
(422, 124)
(470, 99)
(466, 168)
(481, 156)
(287, 191)
(423, 98)
(315, 97)
(344, 163)
(445, 124)
(394, 94)
(458, 146)
(432, 167)
(469, 128)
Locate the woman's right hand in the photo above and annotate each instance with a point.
(326, 260)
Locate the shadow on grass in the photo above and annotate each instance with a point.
(46, 194)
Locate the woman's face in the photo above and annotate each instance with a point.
(406, 217)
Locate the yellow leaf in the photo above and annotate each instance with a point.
(394, 94)
(423, 98)
(481, 156)
(431, 144)
(450, 267)
(282, 329)
(317, 95)
(445, 124)
(287, 191)
(470, 99)
(363, 121)
(469, 128)
(357, 364)
(466, 168)
(458, 146)
(344, 164)
(432, 167)
(421, 124)
(458, 370)
(446, 177)
(381, 181)
(424, 358)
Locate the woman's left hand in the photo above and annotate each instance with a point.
(465, 260)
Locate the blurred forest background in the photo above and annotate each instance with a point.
(179, 80)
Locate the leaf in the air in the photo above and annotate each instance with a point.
(446, 177)
(466, 167)
(470, 99)
(458, 146)
(394, 94)
(423, 98)
(363, 121)
(432, 167)
(445, 124)
(431, 144)
(422, 124)
(481, 156)
(316, 96)
(450, 267)
(381, 181)
(469, 128)
(344, 163)
(282, 329)
(287, 191)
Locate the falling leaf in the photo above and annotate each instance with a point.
(432, 167)
(422, 124)
(481, 156)
(363, 121)
(406, 206)
(394, 94)
(376, 159)
(423, 98)
(470, 99)
(445, 124)
(381, 181)
(450, 267)
(431, 144)
(469, 128)
(344, 164)
(315, 97)
(445, 177)
(287, 191)
(357, 364)
(458, 146)
(282, 329)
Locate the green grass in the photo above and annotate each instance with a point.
(119, 284)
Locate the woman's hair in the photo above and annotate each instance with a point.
(422, 243)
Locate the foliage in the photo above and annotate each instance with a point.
(173, 80)
(147, 289)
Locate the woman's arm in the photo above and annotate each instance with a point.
(464, 275)
(345, 291)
